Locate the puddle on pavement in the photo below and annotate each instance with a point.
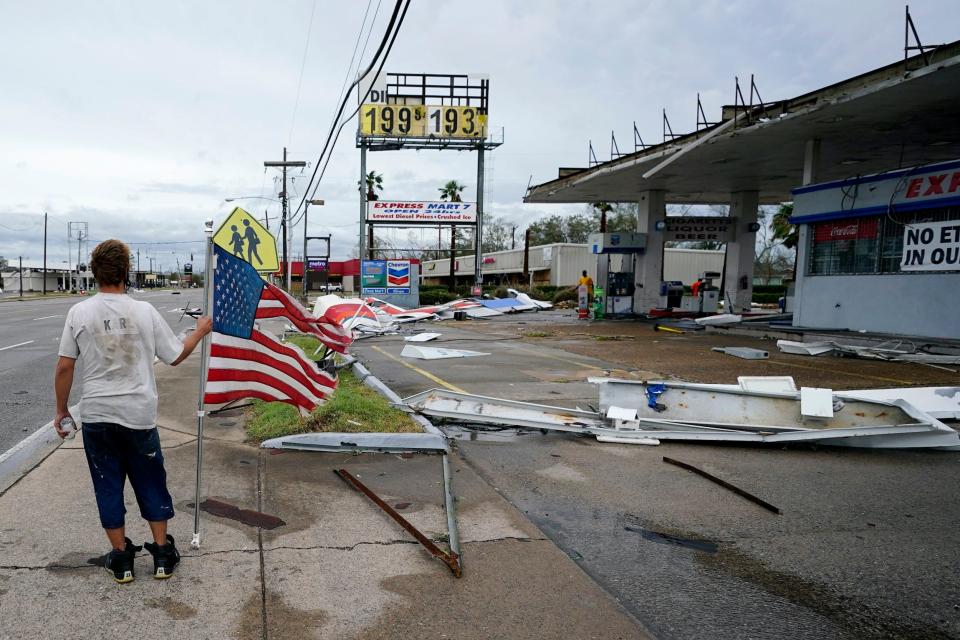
(246, 516)
(665, 538)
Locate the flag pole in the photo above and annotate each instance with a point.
(204, 359)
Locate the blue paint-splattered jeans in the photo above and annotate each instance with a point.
(115, 453)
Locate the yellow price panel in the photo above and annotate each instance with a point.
(393, 120)
(456, 122)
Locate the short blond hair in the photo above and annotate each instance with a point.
(110, 262)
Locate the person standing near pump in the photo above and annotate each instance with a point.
(116, 338)
(587, 281)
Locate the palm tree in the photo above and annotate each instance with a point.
(452, 190)
(374, 182)
(602, 209)
(785, 231)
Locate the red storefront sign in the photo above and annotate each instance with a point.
(855, 229)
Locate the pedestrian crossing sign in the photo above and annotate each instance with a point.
(244, 237)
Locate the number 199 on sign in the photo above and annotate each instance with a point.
(392, 120)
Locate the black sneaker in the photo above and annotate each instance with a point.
(120, 563)
(165, 558)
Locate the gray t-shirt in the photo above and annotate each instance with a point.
(117, 338)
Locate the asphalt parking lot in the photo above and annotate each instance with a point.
(866, 543)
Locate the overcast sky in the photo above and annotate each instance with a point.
(141, 117)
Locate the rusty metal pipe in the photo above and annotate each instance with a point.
(451, 559)
(723, 483)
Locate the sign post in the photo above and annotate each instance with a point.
(204, 358)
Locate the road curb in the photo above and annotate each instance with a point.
(24, 456)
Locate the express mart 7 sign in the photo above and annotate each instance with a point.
(418, 121)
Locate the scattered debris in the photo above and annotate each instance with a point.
(422, 337)
(720, 319)
(361, 442)
(526, 299)
(638, 412)
(437, 353)
(747, 353)
(723, 483)
(451, 559)
(939, 402)
(897, 351)
(660, 327)
(804, 348)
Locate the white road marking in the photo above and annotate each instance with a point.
(48, 317)
(19, 344)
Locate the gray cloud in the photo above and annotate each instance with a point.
(141, 118)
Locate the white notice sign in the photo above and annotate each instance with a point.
(931, 246)
(422, 212)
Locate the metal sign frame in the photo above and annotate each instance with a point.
(433, 89)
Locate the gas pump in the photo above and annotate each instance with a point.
(708, 296)
(616, 259)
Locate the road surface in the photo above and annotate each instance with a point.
(29, 338)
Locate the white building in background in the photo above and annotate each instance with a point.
(58, 277)
(561, 264)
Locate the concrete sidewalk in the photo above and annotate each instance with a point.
(337, 568)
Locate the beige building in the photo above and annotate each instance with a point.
(561, 264)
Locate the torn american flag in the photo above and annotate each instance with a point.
(248, 363)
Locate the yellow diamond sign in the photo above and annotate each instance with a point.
(243, 236)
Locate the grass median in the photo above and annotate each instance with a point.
(352, 408)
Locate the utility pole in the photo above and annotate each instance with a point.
(137, 277)
(44, 253)
(21, 276)
(80, 231)
(304, 281)
(283, 164)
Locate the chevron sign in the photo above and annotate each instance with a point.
(398, 276)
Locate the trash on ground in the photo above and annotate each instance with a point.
(719, 319)
(437, 353)
(526, 299)
(889, 351)
(723, 483)
(747, 353)
(451, 559)
(939, 402)
(422, 337)
(361, 442)
(805, 348)
(508, 305)
(637, 412)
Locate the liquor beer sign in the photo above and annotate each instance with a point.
(931, 246)
(698, 228)
(421, 212)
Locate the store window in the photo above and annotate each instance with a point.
(872, 244)
(844, 246)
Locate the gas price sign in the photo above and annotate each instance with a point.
(417, 121)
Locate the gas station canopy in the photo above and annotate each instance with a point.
(900, 115)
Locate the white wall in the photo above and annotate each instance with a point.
(568, 261)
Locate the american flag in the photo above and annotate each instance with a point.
(248, 363)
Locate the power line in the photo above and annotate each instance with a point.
(343, 103)
(340, 128)
(303, 64)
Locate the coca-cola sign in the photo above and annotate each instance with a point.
(858, 229)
